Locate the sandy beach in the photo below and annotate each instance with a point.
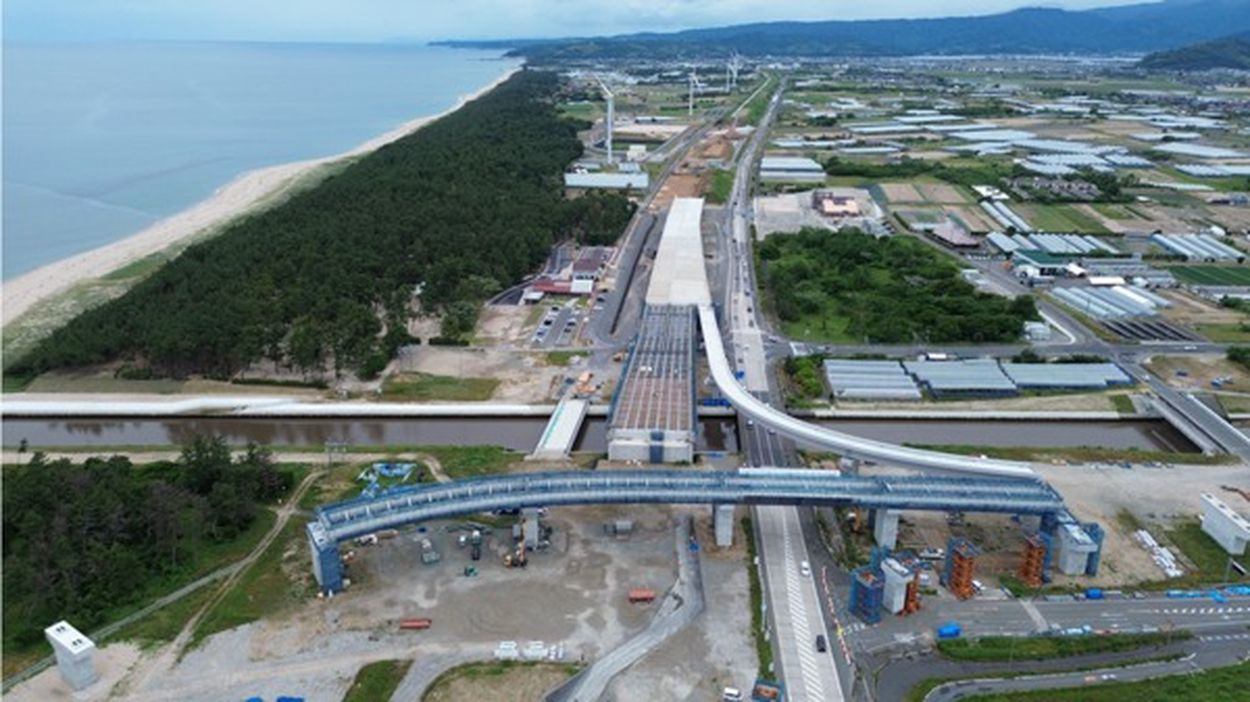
(22, 293)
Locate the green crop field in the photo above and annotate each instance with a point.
(1212, 275)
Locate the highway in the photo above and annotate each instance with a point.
(793, 605)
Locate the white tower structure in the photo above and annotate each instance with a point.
(73, 654)
(611, 118)
(694, 85)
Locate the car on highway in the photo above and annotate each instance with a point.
(821, 646)
(805, 568)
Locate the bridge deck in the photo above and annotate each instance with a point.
(409, 505)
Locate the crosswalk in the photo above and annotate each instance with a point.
(1203, 610)
(1225, 637)
(812, 683)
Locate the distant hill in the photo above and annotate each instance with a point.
(1229, 52)
(1127, 29)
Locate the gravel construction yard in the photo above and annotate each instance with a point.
(572, 593)
(721, 636)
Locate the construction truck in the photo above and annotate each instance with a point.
(475, 545)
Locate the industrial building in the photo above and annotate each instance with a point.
(978, 376)
(652, 417)
(1116, 302)
(830, 204)
(1229, 529)
(792, 169)
(869, 380)
(640, 180)
(1198, 247)
(1068, 376)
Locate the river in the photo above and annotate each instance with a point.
(521, 434)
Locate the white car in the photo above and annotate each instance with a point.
(805, 569)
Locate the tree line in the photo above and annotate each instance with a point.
(326, 280)
(83, 541)
(888, 290)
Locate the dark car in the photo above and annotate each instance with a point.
(821, 646)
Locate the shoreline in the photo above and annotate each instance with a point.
(237, 197)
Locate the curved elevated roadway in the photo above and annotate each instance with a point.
(843, 444)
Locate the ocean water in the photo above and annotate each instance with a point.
(101, 140)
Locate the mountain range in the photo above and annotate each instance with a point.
(1127, 29)
(1227, 52)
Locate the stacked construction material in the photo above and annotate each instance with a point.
(1162, 555)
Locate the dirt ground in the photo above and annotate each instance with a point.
(1200, 371)
(678, 185)
(1093, 493)
(573, 593)
(973, 217)
(721, 636)
(901, 192)
(111, 664)
(1153, 495)
(942, 193)
(523, 377)
(1188, 309)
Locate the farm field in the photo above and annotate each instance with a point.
(1212, 275)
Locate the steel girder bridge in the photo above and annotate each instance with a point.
(342, 521)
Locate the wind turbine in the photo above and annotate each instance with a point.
(735, 65)
(611, 98)
(694, 85)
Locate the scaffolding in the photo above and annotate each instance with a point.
(867, 592)
(1033, 561)
(911, 601)
(960, 567)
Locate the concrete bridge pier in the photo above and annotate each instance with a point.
(723, 521)
(885, 527)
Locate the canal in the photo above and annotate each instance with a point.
(521, 434)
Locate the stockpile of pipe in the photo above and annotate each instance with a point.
(1162, 555)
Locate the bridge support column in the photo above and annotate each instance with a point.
(325, 560)
(529, 527)
(723, 521)
(885, 530)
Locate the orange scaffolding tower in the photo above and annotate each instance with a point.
(961, 565)
(1034, 556)
(911, 600)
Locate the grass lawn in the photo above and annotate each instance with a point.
(720, 186)
(563, 358)
(1002, 648)
(763, 649)
(277, 580)
(831, 329)
(1225, 333)
(1123, 404)
(1209, 557)
(1226, 684)
(1111, 211)
(377, 681)
(497, 680)
(423, 387)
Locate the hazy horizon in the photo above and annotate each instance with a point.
(378, 21)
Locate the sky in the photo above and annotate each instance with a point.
(383, 20)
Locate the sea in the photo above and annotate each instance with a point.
(102, 139)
